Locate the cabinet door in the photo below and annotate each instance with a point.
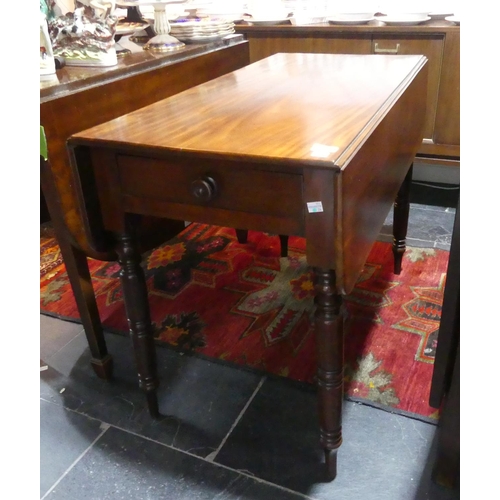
(430, 46)
(267, 45)
(448, 111)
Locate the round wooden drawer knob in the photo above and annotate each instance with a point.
(204, 189)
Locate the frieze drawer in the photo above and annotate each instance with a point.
(217, 185)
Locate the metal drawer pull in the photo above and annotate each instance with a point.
(379, 50)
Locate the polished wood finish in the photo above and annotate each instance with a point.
(80, 97)
(439, 41)
(258, 146)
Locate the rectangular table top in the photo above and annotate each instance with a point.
(316, 109)
(315, 145)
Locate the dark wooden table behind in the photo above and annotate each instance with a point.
(77, 98)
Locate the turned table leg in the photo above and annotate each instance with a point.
(135, 297)
(400, 221)
(328, 321)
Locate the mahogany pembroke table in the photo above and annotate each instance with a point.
(314, 145)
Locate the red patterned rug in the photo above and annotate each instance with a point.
(245, 305)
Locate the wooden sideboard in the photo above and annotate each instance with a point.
(438, 41)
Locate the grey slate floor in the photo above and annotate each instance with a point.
(227, 433)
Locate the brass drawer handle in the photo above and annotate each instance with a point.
(379, 50)
(204, 189)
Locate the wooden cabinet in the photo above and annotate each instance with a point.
(447, 127)
(440, 44)
(428, 45)
(266, 44)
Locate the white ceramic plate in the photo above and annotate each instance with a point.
(202, 30)
(208, 38)
(340, 19)
(178, 34)
(402, 20)
(183, 23)
(405, 14)
(439, 15)
(266, 22)
(205, 26)
(453, 19)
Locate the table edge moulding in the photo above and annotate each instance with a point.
(439, 41)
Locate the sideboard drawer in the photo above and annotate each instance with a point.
(428, 45)
(217, 184)
(265, 45)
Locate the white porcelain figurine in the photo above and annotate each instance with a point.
(85, 37)
(47, 60)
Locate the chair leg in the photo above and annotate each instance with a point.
(400, 221)
(78, 272)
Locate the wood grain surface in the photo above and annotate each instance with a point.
(315, 109)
